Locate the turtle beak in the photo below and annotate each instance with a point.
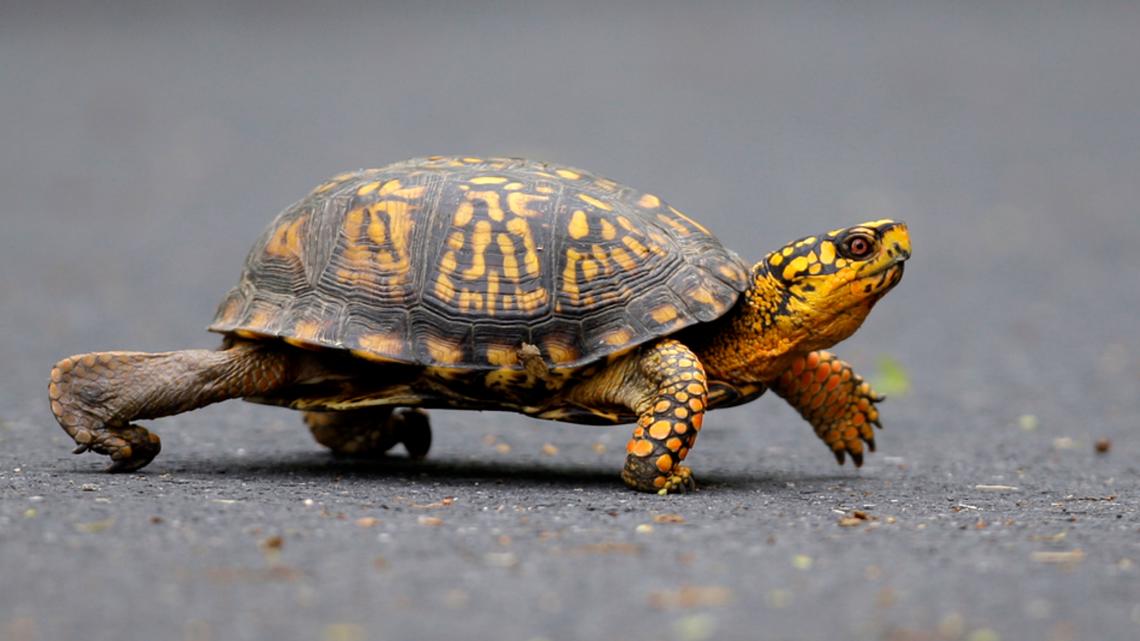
(895, 239)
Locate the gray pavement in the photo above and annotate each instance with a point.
(143, 148)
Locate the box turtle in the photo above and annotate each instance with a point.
(507, 284)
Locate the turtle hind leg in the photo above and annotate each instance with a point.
(94, 397)
(371, 431)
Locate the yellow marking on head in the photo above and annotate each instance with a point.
(382, 343)
(815, 268)
(367, 189)
(491, 198)
(519, 227)
(444, 288)
(443, 350)
(502, 355)
(804, 242)
(775, 259)
(649, 201)
(609, 232)
(510, 262)
(787, 251)
(834, 232)
(479, 241)
(798, 264)
(569, 175)
(488, 180)
(286, 240)
(618, 337)
(664, 313)
(594, 202)
(513, 186)
(520, 203)
(827, 252)
(579, 226)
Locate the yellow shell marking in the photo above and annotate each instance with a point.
(502, 355)
(622, 258)
(443, 350)
(559, 352)
(510, 261)
(395, 189)
(566, 173)
(494, 209)
(689, 220)
(367, 189)
(519, 203)
(618, 337)
(649, 201)
(594, 202)
(488, 180)
(579, 226)
(286, 240)
(570, 274)
(609, 232)
(664, 314)
(479, 240)
(381, 343)
(519, 227)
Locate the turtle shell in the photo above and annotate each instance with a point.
(460, 262)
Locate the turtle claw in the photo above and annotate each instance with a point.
(81, 448)
(840, 456)
(679, 482)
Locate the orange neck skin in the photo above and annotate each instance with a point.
(770, 326)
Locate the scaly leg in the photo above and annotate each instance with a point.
(665, 385)
(836, 401)
(371, 431)
(96, 396)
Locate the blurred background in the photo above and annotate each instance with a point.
(145, 145)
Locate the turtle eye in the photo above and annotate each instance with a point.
(857, 246)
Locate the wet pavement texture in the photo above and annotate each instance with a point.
(143, 148)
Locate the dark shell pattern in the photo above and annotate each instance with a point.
(459, 262)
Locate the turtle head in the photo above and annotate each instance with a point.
(805, 296)
(821, 288)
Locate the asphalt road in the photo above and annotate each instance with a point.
(143, 148)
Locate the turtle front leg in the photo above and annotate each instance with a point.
(371, 431)
(94, 397)
(837, 402)
(664, 385)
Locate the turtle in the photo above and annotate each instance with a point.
(513, 285)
